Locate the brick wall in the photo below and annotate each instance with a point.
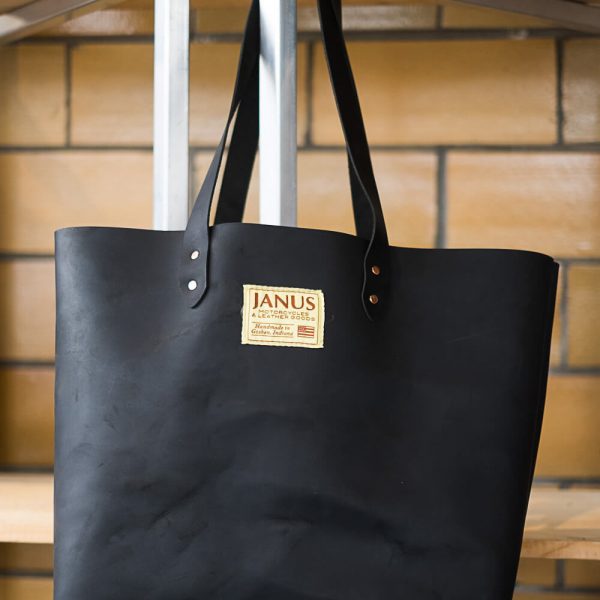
(486, 132)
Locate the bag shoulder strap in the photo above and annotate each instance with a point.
(240, 159)
(375, 267)
(242, 156)
(240, 164)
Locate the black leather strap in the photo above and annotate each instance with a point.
(193, 272)
(240, 163)
(359, 202)
(370, 222)
(376, 265)
(242, 155)
(240, 158)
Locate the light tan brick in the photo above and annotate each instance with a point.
(212, 77)
(219, 19)
(32, 95)
(536, 571)
(582, 91)
(464, 17)
(213, 68)
(26, 588)
(446, 92)
(406, 185)
(584, 316)
(26, 557)
(44, 191)
(27, 307)
(569, 443)
(27, 424)
(112, 92)
(582, 573)
(547, 202)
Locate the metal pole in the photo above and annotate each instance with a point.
(171, 113)
(278, 108)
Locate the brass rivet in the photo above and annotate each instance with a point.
(375, 270)
(194, 255)
(192, 285)
(373, 299)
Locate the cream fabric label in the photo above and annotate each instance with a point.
(279, 316)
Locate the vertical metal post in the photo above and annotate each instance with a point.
(278, 109)
(171, 113)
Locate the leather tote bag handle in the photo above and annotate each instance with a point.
(242, 155)
(240, 158)
(240, 163)
(196, 241)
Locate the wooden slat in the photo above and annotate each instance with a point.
(6, 5)
(19, 19)
(574, 15)
(561, 524)
(26, 509)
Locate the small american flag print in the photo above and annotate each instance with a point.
(306, 331)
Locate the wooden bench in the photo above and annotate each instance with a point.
(560, 523)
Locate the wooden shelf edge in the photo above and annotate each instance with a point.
(555, 549)
(561, 524)
(26, 509)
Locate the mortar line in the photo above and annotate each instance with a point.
(69, 94)
(563, 310)
(433, 34)
(26, 573)
(560, 575)
(26, 470)
(441, 234)
(439, 17)
(26, 364)
(309, 83)
(585, 148)
(567, 482)
(551, 591)
(560, 113)
(25, 256)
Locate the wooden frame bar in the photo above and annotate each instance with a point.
(35, 16)
(566, 13)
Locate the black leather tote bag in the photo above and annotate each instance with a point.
(247, 412)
